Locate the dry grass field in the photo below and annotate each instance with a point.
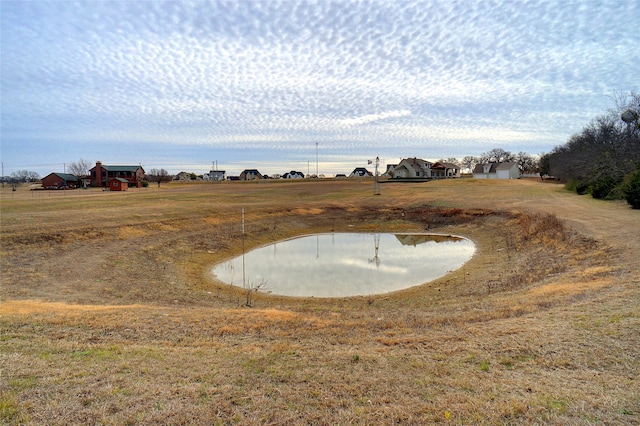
(108, 315)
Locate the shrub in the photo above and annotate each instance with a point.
(579, 186)
(572, 185)
(582, 188)
(603, 187)
(631, 189)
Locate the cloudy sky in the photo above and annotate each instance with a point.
(282, 85)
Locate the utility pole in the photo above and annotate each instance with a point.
(317, 175)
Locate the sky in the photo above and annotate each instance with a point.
(303, 85)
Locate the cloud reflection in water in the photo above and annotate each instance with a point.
(347, 264)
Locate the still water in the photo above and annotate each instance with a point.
(346, 264)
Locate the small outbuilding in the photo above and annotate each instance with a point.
(118, 184)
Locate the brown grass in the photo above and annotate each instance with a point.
(108, 314)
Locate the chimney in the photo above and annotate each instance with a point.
(98, 174)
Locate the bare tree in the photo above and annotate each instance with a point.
(528, 164)
(80, 168)
(158, 176)
(450, 160)
(469, 162)
(497, 155)
(626, 101)
(251, 289)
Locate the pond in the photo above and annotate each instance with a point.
(346, 264)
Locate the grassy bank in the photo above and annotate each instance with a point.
(109, 314)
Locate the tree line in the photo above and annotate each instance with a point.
(604, 159)
(527, 163)
(21, 176)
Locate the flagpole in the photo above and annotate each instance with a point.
(376, 183)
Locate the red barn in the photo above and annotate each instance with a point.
(60, 181)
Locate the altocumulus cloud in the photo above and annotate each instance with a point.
(368, 118)
(259, 84)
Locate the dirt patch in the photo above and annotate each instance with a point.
(131, 232)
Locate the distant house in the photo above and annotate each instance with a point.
(360, 172)
(444, 170)
(250, 174)
(506, 170)
(183, 176)
(293, 175)
(102, 174)
(216, 175)
(389, 171)
(411, 168)
(60, 181)
(118, 184)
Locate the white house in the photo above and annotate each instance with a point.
(411, 168)
(506, 170)
(360, 172)
(293, 175)
(215, 175)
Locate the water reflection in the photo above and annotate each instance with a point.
(347, 264)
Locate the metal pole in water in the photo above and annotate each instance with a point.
(243, 270)
(376, 183)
